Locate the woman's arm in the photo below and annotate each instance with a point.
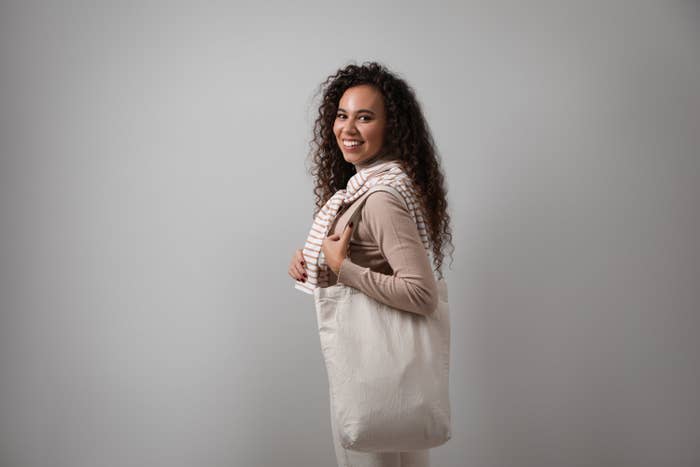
(412, 287)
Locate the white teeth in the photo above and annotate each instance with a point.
(351, 144)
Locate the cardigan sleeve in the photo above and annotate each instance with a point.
(412, 287)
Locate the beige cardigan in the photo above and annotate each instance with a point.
(387, 260)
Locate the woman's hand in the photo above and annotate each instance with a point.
(335, 248)
(296, 266)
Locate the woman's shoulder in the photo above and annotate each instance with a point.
(382, 202)
(388, 222)
(384, 210)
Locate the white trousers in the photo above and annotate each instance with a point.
(349, 458)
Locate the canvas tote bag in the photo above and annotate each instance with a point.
(388, 369)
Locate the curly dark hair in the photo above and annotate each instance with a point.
(407, 136)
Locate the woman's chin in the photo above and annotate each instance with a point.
(351, 158)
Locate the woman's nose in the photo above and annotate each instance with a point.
(349, 126)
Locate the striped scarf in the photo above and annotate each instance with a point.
(381, 172)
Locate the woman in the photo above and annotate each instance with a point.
(371, 130)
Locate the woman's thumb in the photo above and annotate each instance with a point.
(348, 231)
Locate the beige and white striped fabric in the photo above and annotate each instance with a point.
(389, 173)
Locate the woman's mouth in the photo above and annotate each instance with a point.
(352, 144)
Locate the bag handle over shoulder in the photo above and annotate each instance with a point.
(356, 207)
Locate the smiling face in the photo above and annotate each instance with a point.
(360, 123)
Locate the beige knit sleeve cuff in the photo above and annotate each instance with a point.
(349, 272)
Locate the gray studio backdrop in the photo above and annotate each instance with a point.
(153, 186)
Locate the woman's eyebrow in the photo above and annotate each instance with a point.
(340, 109)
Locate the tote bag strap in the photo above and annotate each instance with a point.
(356, 207)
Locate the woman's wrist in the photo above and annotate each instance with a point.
(339, 267)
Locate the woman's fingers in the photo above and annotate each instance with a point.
(299, 270)
(296, 275)
(296, 267)
(301, 263)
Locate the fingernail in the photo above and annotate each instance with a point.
(350, 224)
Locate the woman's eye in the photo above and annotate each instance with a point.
(363, 118)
